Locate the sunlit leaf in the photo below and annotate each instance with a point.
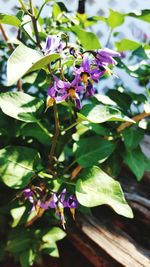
(97, 188)
(9, 19)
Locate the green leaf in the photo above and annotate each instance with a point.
(126, 44)
(18, 244)
(142, 15)
(20, 106)
(92, 150)
(97, 188)
(135, 161)
(88, 39)
(33, 130)
(9, 19)
(50, 239)
(18, 165)
(115, 19)
(27, 258)
(17, 214)
(24, 60)
(56, 10)
(101, 113)
(132, 137)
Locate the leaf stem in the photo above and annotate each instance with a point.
(57, 130)
(34, 22)
(10, 47)
(135, 118)
(69, 166)
(44, 129)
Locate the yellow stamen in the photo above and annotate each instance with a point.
(72, 210)
(49, 103)
(108, 71)
(72, 92)
(84, 77)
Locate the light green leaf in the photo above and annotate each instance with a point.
(101, 113)
(18, 165)
(9, 19)
(88, 39)
(56, 10)
(135, 161)
(115, 19)
(126, 44)
(20, 106)
(50, 238)
(142, 15)
(17, 213)
(92, 150)
(97, 188)
(24, 60)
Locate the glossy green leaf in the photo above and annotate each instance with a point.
(56, 10)
(135, 161)
(126, 44)
(18, 165)
(50, 238)
(132, 137)
(92, 150)
(115, 19)
(88, 40)
(97, 188)
(9, 19)
(101, 113)
(17, 214)
(24, 60)
(20, 106)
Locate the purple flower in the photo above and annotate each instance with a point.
(86, 72)
(53, 44)
(104, 57)
(28, 193)
(62, 90)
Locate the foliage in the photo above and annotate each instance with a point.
(55, 121)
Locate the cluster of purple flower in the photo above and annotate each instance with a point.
(85, 75)
(56, 201)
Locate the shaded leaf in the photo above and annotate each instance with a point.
(91, 150)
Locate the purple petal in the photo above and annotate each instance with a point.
(78, 103)
(72, 202)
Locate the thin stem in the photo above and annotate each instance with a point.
(57, 130)
(24, 7)
(10, 47)
(135, 118)
(34, 22)
(41, 8)
(69, 166)
(109, 37)
(71, 126)
(44, 129)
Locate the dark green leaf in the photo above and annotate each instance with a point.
(27, 258)
(142, 15)
(97, 188)
(92, 150)
(132, 137)
(136, 162)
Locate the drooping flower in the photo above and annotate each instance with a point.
(104, 57)
(53, 45)
(86, 71)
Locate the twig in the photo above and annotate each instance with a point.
(10, 47)
(135, 118)
(6, 38)
(81, 6)
(75, 172)
(57, 130)
(34, 22)
(109, 37)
